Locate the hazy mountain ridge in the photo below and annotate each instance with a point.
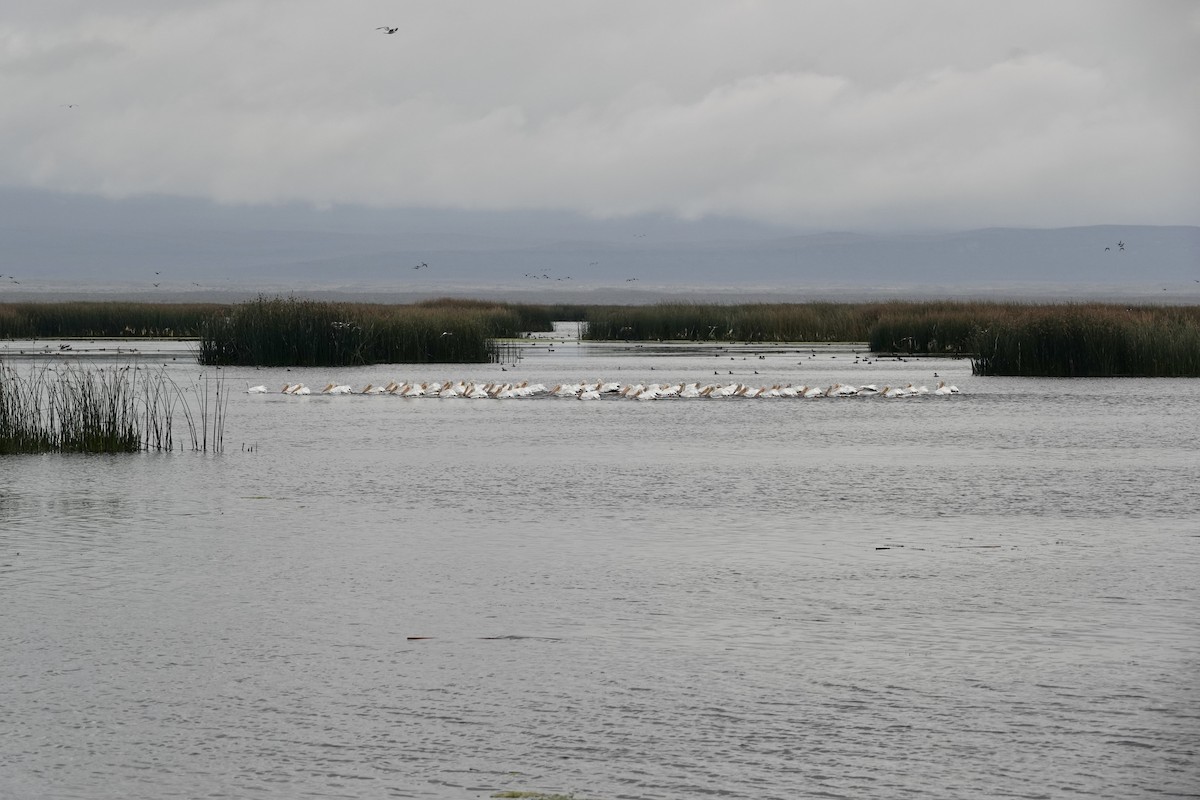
(54, 238)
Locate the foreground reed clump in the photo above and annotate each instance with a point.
(71, 409)
(291, 332)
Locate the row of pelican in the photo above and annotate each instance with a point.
(594, 391)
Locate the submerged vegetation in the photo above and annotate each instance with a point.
(1068, 340)
(72, 409)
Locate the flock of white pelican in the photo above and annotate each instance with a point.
(599, 389)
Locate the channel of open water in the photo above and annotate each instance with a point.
(985, 595)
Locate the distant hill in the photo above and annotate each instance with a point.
(51, 238)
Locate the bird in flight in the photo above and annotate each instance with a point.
(387, 29)
(1121, 245)
(422, 265)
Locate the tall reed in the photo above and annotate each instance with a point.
(71, 409)
(1090, 341)
(292, 332)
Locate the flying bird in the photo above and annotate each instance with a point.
(422, 265)
(1121, 245)
(386, 29)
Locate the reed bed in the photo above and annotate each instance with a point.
(71, 409)
(1002, 338)
(291, 332)
(1090, 341)
(103, 319)
(758, 322)
(1057, 340)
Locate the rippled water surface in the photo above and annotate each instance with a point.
(986, 595)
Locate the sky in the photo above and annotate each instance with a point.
(847, 115)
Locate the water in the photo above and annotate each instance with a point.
(991, 594)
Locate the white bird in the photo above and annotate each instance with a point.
(257, 390)
(337, 389)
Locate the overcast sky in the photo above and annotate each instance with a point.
(838, 114)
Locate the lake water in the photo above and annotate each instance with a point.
(985, 595)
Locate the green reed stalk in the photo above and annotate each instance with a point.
(71, 409)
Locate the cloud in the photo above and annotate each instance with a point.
(856, 114)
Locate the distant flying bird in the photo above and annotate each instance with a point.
(70, 105)
(386, 29)
(1121, 245)
(422, 265)
(1107, 249)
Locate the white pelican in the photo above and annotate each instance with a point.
(300, 388)
(260, 389)
(337, 389)
(943, 389)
